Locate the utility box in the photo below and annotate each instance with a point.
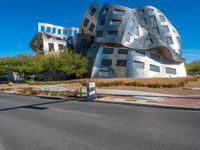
(91, 91)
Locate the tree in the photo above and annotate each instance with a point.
(69, 63)
(193, 67)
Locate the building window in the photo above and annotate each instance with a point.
(108, 50)
(54, 30)
(154, 68)
(51, 47)
(150, 11)
(41, 47)
(139, 65)
(178, 40)
(122, 51)
(137, 31)
(162, 18)
(61, 46)
(102, 22)
(105, 11)
(171, 70)
(42, 28)
(155, 57)
(156, 30)
(165, 29)
(153, 20)
(119, 12)
(92, 11)
(48, 29)
(112, 33)
(115, 22)
(149, 41)
(121, 63)
(64, 32)
(35, 44)
(106, 62)
(104, 73)
(143, 22)
(140, 53)
(59, 31)
(169, 40)
(141, 11)
(92, 26)
(99, 33)
(86, 22)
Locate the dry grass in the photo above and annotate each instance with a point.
(143, 82)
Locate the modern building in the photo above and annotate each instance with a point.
(119, 42)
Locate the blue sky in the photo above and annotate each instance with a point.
(19, 20)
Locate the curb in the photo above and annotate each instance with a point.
(115, 102)
(49, 97)
(150, 105)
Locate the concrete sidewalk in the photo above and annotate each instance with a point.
(138, 94)
(127, 97)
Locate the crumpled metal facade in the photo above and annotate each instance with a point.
(125, 42)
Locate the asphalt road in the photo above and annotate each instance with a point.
(30, 123)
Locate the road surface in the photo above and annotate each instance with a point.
(31, 123)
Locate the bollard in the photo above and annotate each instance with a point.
(81, 91)
(91, 91)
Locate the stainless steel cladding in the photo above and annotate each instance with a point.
(125, 42)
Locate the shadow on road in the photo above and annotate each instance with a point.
(38, 106)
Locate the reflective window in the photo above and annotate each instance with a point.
(169, 40)
(107, 50)
(59, 31)
(154, 68)
(41, 47)
(51, 47)
(105, 11)
(112, 33)
(165, 29)
(106, 62)
(64, 32)
(178, 40)
(162, 18)
(140, 53)
(93, 10)
(155, 57)
(153, 19)
(150, 11)
(92, 26)
(141, 11)
(139, 64)
(104, 73)
(42, 28)
(61, 46)
(35, 44)
(115, 22)
(99, 33)
(48, 29)
(119, 12)
(121, 63)
(54, 30)
(102, 22)
(171, 70)
(122, 51)
(155, 30)
(86, 22)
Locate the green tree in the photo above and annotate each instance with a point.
(193, 67)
